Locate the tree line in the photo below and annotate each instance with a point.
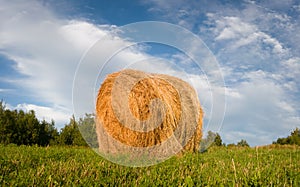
(214, 139)
(292, 139)
(23, 128)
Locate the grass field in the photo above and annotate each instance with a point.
(75, 166)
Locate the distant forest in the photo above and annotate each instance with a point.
(23, 128)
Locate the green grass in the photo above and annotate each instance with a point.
(74, 166)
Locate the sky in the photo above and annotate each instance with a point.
(45, 48)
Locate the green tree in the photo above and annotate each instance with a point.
(293, 139)
(212, 139)
(7, 124)
(70, 134)
(2, 107)
(218, 140)
(48, 134)
(87, 128)
(31, 125)
(243, 143)
(21, 127)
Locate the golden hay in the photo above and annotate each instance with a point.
(142, 110)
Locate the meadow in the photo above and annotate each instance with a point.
(219, 166)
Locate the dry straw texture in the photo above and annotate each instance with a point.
(138, 111)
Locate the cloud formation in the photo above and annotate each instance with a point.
(256, 46)
(46, 51)
(255, 43)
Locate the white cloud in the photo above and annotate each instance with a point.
(5, 90)
(241, 33)
(278, 19)
(256, 44)
(292, 67)
(226, 34)
(233, 93)
(296, 7)
(83, 34)
(291, 71)
(47, 50)
(46, 113)
(232, 28)
(261, 110)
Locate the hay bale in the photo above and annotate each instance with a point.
(137, 111)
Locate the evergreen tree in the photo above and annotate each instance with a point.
(218, 140)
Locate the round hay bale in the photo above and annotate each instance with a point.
(137, 111)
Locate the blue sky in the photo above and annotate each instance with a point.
(256, 45)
